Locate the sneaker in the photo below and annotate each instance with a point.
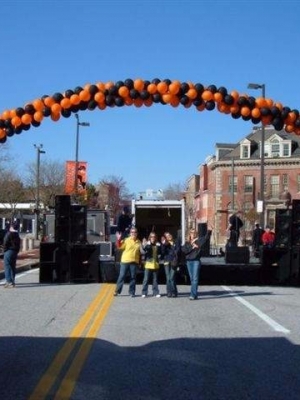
(116, 294)
(158, 295)
(174, 295)
(143, 296)
(192, 298)
(132, 295)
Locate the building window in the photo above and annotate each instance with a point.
(286, 149)
(285, 182)
(298, 183)
(275, 186)
(248, 184)
(234, 183)
(275, 149)
(245, 151)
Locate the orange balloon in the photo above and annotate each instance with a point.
(26, 119)
(207, 95)
(261, 102)
(218, 97)
(245, 111)
(192, 94)
(100, 86)
(201, 107)
(49, 101)
(266, 119)
(38, 104)
(128, 101)
(291, 118)
(234, 109)
(6, 114)
(99, 97)
(138, 102)
(174, 87)
(152, 88)
(55, 108)
(101, 106)
(174, 101)
(108, 84)
(2, 133)
(38, 116)
(87, 86)
(148, 102)
(16, 121)
(279, 105)
(65, 103)
(84, 95)
(167, 97)
(55, 116)
(75, 99)
(255, 112)
(123, 91)
(289, 128)
(235, 95)
(138, 84)
(162, 87)
(269, 103)
(12, 113)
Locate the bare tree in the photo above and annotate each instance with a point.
(174, 191)
(52, 179)
(12, 192)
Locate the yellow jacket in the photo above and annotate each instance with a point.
(131, 250)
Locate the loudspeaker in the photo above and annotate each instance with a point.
(237, 255)
(105, 248)
(109, 271)
(202, 229)
(62, 205)
(62, 229)
(295, 264)
(284, 265)
(84, 262)
(53, 263)
(78, 224)
(296, 210)
(205, 249)
(283, 228)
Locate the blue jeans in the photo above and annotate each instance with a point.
(194, 270)
(124, 267)
(10, 261)
(148, 274)
(170, 280)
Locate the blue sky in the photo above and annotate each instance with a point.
(51, 46)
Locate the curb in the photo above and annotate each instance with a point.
(24, 267)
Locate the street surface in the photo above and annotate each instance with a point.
(77, 341)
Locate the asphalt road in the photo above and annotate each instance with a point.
(77, 341)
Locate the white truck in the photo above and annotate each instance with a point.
(159, 216)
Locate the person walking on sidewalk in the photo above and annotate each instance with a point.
(130, 260)
(11, 246)
(152, 251)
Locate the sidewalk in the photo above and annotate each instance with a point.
(25, 261)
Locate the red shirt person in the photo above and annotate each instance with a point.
(268, 237)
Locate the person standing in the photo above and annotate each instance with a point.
(235, 224)
(124, 222)
(192, 251)
(152, 252)
(170, 252)
(257, 239)
(130, 260)
(11, 247)
(268, 237)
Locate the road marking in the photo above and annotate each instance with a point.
(277, 327)
(96, 311)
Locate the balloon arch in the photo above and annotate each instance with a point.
(139, 93)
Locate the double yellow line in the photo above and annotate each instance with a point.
(85, 331)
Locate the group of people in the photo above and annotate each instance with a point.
(165, 252)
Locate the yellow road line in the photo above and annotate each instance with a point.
(48, 379)
(68, 383)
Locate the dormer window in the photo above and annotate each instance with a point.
(275, 148)
(245, 150)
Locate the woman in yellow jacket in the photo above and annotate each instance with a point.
(130, 260)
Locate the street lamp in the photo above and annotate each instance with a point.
(77, 150)
(262, 157)
(39, 151)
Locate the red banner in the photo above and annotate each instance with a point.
(80, 177)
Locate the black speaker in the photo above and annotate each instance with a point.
(283, 228)
(53, 263)
(62, 205)
(84, 263)
(202, 229)
(295, 264)
(237, 255)
(78, 224)
(296, 210)
(205, 249)
(109, 271)
(62, 229)
(284, 265)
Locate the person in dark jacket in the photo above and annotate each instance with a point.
(192, 251)
(11, 247)
(151, 250)
(257, 239)
(170, 252)
(124, 223)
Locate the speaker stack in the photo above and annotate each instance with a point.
(283, 228)
(84, 263)
(295, 251)
(54, 267)
(78, 224)
(202, 232)
(237, 255)
(62, 218)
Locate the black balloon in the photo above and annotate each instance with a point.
(144, 94)
(184, 87)
(134, 94)
(69, 93)
(119, 102)
(119, 84)
(65, 113)
(91, 105)
(20, 111)
(156, 97)
(184, 100)
(212, 88)
(210, 105)
(3, 140)
(46, 111)
(109, 100)
(228, 99)
(129, 83)
(57, 97)
(78, 89)
(93, 89)
(199, 87)
(222, 90)
(197, 102)
(35, 123)
(155, 81)
(29, 109)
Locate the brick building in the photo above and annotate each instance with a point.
(230, 180)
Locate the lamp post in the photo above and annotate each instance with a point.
(39, 151)
(262, 157)
(78, 124)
